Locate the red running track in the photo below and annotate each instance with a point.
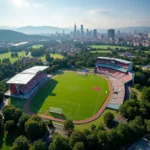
(94, 117)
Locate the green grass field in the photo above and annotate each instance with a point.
(101, 51)
(37, 46)
(97, 121)
(55, 56)
(73, 93)
(8, 55)
(110, 46)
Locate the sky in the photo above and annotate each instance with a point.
(101, 14)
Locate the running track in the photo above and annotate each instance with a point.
(94, 117)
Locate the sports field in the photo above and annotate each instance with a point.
(79, 96)
(37, 46)
(8, 55)
(108, 46)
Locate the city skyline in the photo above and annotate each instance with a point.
(102, 14)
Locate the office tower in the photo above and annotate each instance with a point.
(95, 33)
(75, 30)
(87, 33)
(82, 30)
(111, 34)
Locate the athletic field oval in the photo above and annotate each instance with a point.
(79, 96)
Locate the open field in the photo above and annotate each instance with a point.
(37, 46)
(73, 93)
(8, 55)
(101, 51)
(97, 121)
(108, 46)
(148, 52)
(55, 56)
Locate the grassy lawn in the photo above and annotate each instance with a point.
(148, 52)
(8, 55)
(97, 121)
(55, 56)
(37, 46)
(101, 51)
(110, 46)
(139, 93)
(73, 93)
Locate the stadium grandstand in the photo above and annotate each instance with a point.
(24, 84)
(119, 73)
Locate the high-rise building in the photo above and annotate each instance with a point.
(82, 30)
(75, 30)
(149, 35)
(95, 33)
(87, 33)
(111, 34)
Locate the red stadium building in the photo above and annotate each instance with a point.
(26, 83)
(119, 73)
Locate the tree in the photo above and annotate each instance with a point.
(68, 125)
(47, 56)
(140, 78)
(59, 143)
(124, 130)
(133, 96)
(79, 146)
(35, 127)
(93, 127)
(11, 113)
(103, 140)
(115, 138)
(1, 96)
(9, 125)
(147, 123)
(91, 141)
(1, 122)
(76, 136)
(21, 123)
(146, 93)
(108, 118)
(39, 145)
(137, 126)
(21, 143)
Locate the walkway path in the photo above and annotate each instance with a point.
(94, 117)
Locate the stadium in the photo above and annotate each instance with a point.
(24, 84)
(119, 73)
(79, 95)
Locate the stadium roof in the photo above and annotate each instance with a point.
(113, 67)
(26, 76)
(34, 70)
(116, 59)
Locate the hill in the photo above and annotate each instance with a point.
(9, 35)
(41, 30)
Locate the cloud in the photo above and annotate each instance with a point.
(97, 11)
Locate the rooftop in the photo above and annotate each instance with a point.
(116, 59)
(26, 76)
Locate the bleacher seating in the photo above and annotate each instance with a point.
(125, 77)
(26, 88)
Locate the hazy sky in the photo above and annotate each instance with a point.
(64, 13)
